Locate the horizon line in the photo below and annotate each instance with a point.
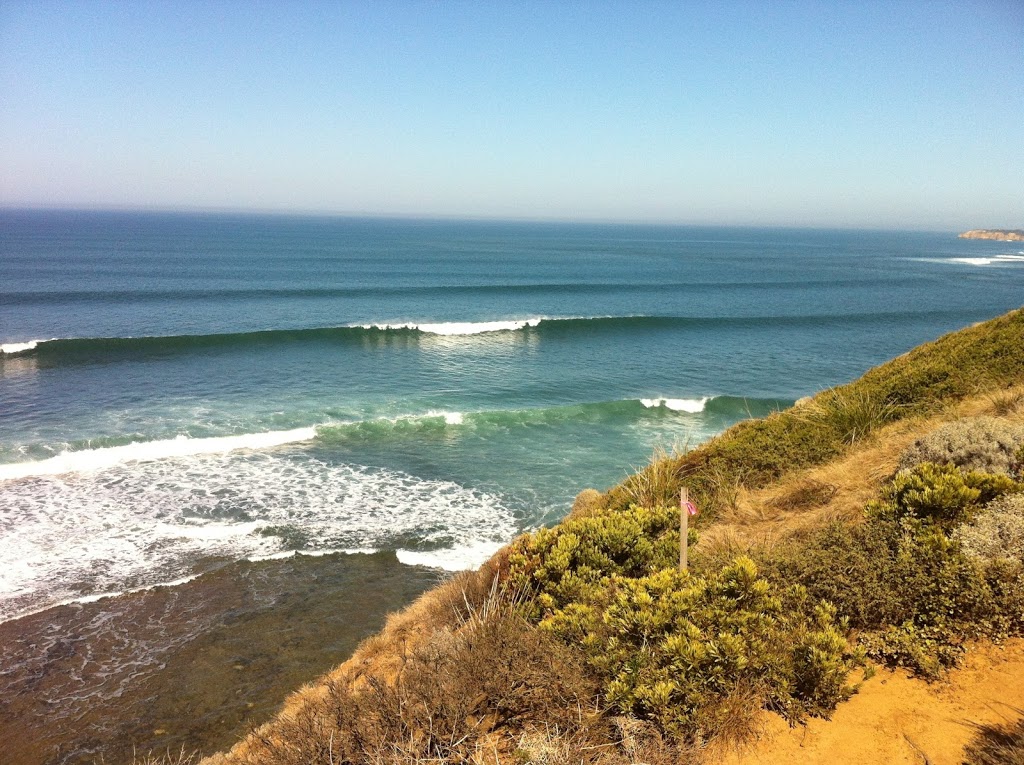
(461, 218)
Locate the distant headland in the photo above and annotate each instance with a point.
(999, 234)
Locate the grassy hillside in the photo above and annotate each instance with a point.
(584, 643)
(928, 379)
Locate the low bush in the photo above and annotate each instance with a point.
(997, 533)
(985, 444)
(943, 494)
(573, 562)
(900, 579)
(451, 691)
(673, 648)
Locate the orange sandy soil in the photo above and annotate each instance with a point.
(896, 719)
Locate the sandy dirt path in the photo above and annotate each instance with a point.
(896, 719)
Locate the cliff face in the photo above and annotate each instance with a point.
(998, 234)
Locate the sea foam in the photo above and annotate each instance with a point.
(452, 559)
(10, 349)
(988, 260)
(68, 537)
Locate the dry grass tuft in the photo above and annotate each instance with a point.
(657, 484)
(805, 494)
(587, 502)
(853, 412)
(997, 744)
(1006, 402)
(167, 758)
(639, 741)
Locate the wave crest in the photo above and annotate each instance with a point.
(689, 405)
(92, 349)
(11, 349)
(452, 329)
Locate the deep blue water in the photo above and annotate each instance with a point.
(427, 386)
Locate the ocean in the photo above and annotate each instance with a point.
(180, 393)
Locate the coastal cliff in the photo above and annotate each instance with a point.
(997, 234)
(848, 535)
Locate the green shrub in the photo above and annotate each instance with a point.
(984, 444)
(944, 494)
(901, 580)
(573, 562)
(676, 648)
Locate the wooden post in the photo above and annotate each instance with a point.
(684, 531)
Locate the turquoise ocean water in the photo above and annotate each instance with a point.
(178, 390)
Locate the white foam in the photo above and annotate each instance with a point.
(461, 328)
(285, 554)
(10, 349)
(208, 532)
(453, 559)
(450, 418)
(95, 597)
(690, 405)
(988, 260)
(973, 261)
(67, 537)
(144, 451)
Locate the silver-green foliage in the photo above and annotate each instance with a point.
(997, 533)
(986, 444)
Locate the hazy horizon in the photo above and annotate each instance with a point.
(456, 218)
(905, 115)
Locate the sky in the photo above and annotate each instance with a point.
(849, 114)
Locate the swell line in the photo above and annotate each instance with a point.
(64, 297)
(87, 348)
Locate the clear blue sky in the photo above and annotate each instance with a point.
(853, 113)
